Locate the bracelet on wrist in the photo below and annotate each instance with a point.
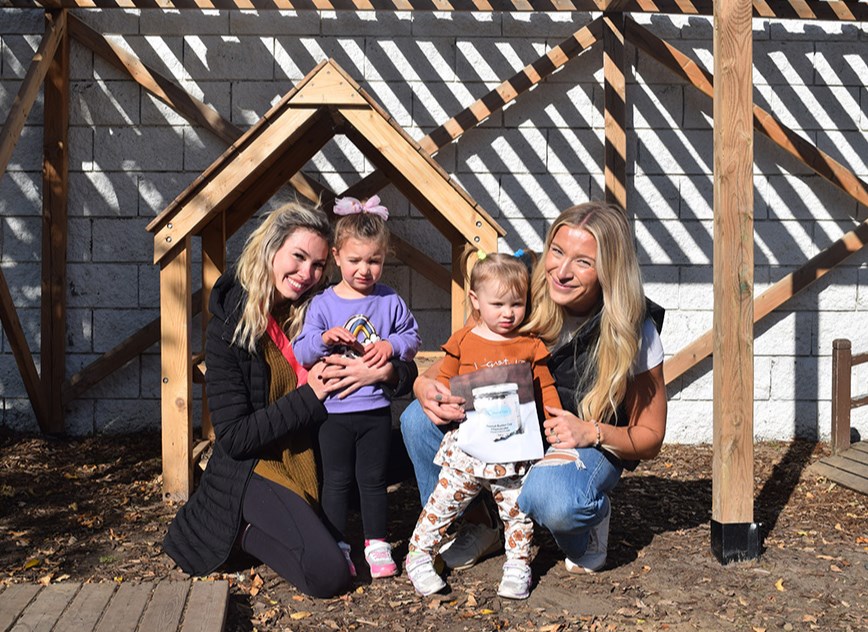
(599, 441)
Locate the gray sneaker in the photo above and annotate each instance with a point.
(516, 580)
(420, 570)
(594, 557)
(473, 542)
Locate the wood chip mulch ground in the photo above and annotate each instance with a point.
(91, 510)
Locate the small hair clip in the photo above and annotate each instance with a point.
(518, 253)
(352, 206)
(481, 255)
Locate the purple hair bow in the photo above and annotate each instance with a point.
(351, 206)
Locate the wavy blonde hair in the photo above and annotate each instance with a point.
(257, 278)
(622, 308)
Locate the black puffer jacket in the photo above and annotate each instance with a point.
(568, 363)
(247, 427)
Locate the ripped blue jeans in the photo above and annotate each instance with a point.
(569, 496)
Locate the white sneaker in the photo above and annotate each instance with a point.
(420, 570)
(473, 542)
(594, 557)
(516, 580)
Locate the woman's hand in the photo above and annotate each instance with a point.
(315, 379)
(564, 430)
(345, 375)
(441, 406)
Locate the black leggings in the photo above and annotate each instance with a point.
(357, 442)
(287, 535)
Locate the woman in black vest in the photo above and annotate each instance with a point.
(589, 305)
(259, 493)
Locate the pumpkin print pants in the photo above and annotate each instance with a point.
(454, 492)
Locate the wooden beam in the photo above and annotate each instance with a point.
(213, 265)
(176, 373)
(225, 186)
(55, 186)
(835, 10)
(422, 263)
(732, 462)
(21, 352)
(494, 101)
(415, 172)
(460, 279)
(803, 150)
(113, 359)
(842, 397)
(173, 95)
(615, 109)
(775, 296)
(29, 90)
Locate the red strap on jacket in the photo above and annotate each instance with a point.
(279, 338)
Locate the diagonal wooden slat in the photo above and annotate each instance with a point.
(505, 93)
(116, 357)
(21, 351)
(679, 63)
(843, 10)
(775, 296)
(29, 90)
(173, 95)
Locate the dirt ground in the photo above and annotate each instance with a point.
(91, 510)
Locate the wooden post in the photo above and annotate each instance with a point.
(615, 103)
(55, 169)
(459, 284)
(176, 373)
(213, 265)
(734, 535)
(842, 356)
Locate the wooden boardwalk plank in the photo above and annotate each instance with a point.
(87, 607)
(125, 609)
(206, 607)
(862, 446)
(166, 606)
(45, 610)
(13, 600)
(846, 464)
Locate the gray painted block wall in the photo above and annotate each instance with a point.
(130, 155)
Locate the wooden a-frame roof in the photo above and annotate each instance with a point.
(325, 103)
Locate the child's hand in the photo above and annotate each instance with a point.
(377, 353)
(341, 336)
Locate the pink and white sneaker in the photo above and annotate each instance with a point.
(378, 555)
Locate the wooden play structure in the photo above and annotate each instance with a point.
(328, 102)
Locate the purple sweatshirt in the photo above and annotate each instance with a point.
(382, 315)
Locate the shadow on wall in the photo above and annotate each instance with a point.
(130, 155)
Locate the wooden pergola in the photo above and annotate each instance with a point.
(734, 533)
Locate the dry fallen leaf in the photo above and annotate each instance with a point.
(256, 585)
(45, 580)
(301, 614)
(780, 584)
(33, 561)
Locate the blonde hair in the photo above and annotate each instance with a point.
(362, 226)
(507, 271)
(257, 277)
(622, 308)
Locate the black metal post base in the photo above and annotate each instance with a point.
(735, 541)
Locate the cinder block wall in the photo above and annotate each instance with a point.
(130, 156)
